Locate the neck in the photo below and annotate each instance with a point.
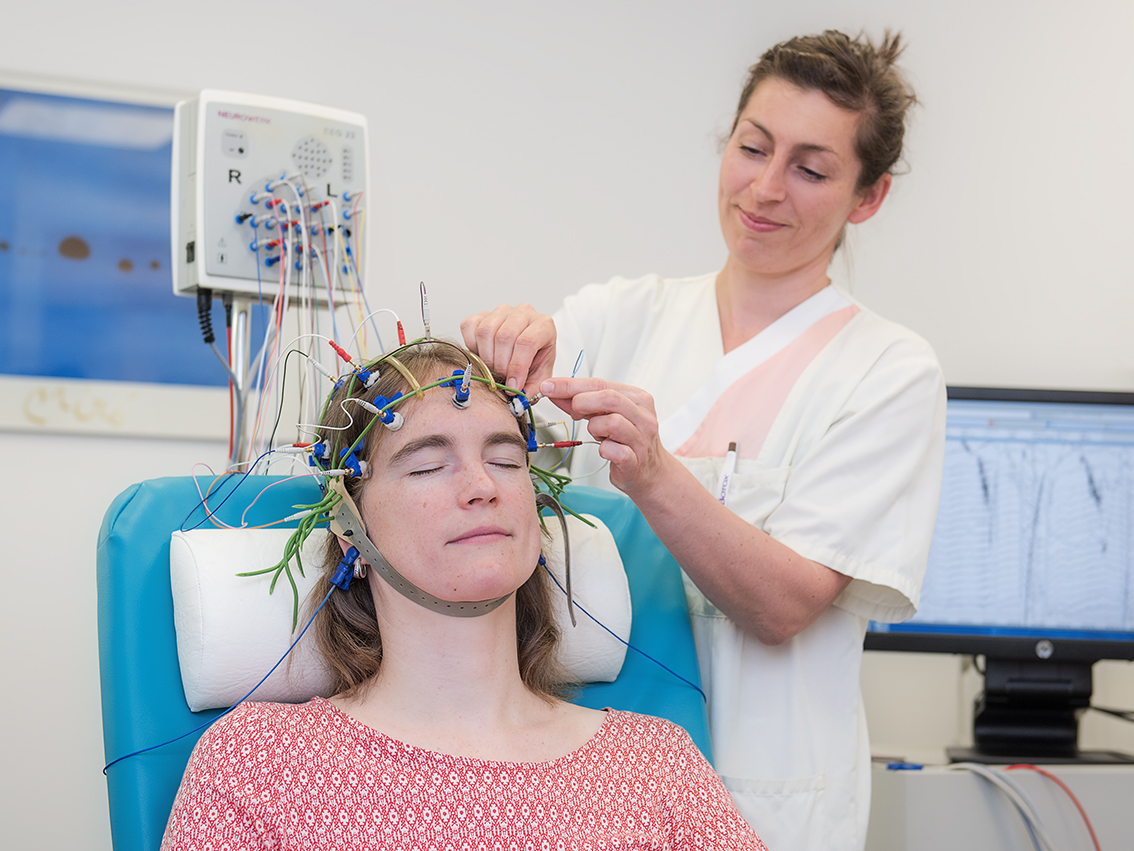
(748, 301)
(445, 681)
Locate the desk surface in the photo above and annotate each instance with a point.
(941, 809)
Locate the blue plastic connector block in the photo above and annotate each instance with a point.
(344, 573)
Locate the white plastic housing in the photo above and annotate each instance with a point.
(228, 146)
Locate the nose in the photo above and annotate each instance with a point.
(477, 485)
(768, 184)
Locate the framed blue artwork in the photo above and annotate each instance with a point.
(91, 334)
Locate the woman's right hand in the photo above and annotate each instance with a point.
(516, 342)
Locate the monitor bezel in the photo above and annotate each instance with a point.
(1052, 646)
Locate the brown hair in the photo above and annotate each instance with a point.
(346, 628)
(856, 75)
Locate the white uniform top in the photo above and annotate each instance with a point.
(839, 417)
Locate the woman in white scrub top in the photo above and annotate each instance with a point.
(837, 417)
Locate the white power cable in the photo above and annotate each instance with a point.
(1040, 838)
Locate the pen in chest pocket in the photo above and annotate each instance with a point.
(726, 472)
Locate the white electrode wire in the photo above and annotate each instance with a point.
(369, 318)
(334, 208)
(321, 255)
(288, 283)
(258, 367)
(308, 309)
(317, 428)
(350, 264)
(336, 247)
(1017, 796)
(292, 345)
(267, 389)
(307, 216)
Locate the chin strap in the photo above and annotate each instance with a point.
(346, 523)
(546, 500)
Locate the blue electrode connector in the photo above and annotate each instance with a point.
(344, 573)
(389, 418)
(461, 394)
(367, 378)
(320, 453)
(350, 458)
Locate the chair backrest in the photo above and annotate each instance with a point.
(143, 703)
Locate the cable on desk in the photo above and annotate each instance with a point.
(1065, 788)
(1040, 839)
(1124, 714)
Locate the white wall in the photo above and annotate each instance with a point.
(520, 150)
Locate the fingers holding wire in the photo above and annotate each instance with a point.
(516, 342)
(622, 419)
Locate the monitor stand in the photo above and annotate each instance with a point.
(1029, 712)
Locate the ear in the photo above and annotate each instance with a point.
(345, 544)
(870, 200)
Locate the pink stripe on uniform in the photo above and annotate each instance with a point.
(745, 411)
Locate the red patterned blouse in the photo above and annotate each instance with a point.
(309, 776)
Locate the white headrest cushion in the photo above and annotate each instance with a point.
(230, 631)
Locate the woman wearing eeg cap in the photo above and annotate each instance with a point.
(836, 416)
(445, 731)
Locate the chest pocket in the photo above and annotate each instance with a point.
(786, 813)
(753, 493)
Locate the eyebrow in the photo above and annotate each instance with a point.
(443, 441)
(806, 146)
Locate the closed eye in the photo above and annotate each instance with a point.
(811, 174)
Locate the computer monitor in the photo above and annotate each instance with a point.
(1032, 561)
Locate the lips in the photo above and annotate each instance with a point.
(759, 224)
(481, 535)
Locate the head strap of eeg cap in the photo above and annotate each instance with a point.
(346, 523)
(546, 500)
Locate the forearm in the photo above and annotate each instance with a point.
(765, 587)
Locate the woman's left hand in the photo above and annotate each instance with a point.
(622, 419)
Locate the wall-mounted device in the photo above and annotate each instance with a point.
(267, 191)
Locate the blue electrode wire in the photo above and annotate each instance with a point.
(203, 503)
(623, 640)
(231, 708)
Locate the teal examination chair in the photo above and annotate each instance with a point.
(144, 703)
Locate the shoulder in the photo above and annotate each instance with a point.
(608, 322)
(875, 361)
(633, 731)
(868, 330)
(251, 725)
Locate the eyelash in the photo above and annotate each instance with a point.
(809, 174)
(504, 465)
